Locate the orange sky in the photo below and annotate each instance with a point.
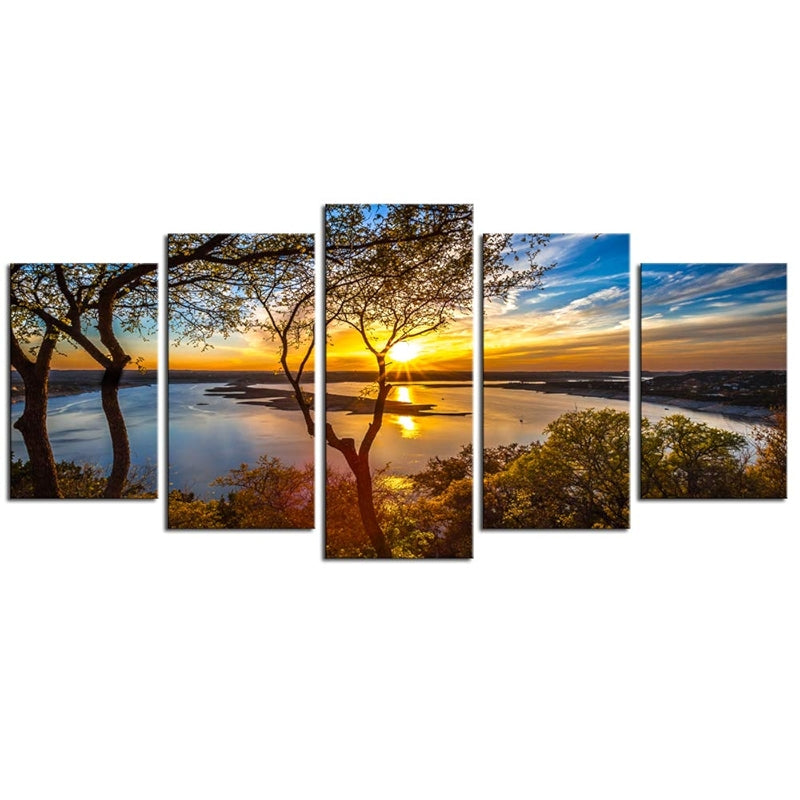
(240, 351)
(449, 349)
(69, 357)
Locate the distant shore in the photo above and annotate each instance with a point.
(752, 414)
(63, 383)
(603, 389)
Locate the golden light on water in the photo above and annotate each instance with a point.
(404, 395)
(408, 427)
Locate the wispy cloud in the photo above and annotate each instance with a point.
(703, 316)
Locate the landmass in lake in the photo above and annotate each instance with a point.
(247, 388)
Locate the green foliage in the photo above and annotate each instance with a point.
(767, 477)
(440, 473)
(267, 496)
(427, 515)
(81, 481)
(496, 459)
(682, 458)
(185, 512)
(577, 478)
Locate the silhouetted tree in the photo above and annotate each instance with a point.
(67, 302)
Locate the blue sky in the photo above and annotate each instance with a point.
(579, 320)
(713, 316)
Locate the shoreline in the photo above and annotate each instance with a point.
(571, 389)
(67, 390)
(755, 414)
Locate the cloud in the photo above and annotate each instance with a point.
(690, 282)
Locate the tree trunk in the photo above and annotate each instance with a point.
(366, 507)
(359, 466)
(109, 392)
(33, 427)
(33, 422)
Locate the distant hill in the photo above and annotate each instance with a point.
(77, 381)
(759, 388)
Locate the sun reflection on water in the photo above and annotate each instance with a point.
(408, 427)
(404, 394)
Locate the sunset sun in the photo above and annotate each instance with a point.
(404, 351)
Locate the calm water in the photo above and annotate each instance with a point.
(78, 430)
(515, 415)
(518, 415)
(210, 435)
(407, 443)
(657, 411)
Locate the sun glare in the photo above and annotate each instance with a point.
(404, 351)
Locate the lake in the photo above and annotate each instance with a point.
(210, 435)
(78, 430)
(520, 415)
(407, 443)
(517, 415)
(202, 425)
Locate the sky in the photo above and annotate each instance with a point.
(580, 318)
(447, 349)
(142, 346)
(713, 316)
(240, 351)
(70, 357)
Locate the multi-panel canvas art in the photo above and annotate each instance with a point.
(555, 381)
(83, 384)
(398, 319)
(241, 360)
(399, 290)
(713, 341)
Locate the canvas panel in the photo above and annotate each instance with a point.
(556, 423)
(241, 360)
(713, 357)
(399, 292)
(83, 381)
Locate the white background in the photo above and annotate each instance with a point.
(661, 662)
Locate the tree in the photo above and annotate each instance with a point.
(34, 369)
(269, 495)
(396, 273)
(767, 477)
(66, 301)
(683, 458)
(577, 478)
(219, 284)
